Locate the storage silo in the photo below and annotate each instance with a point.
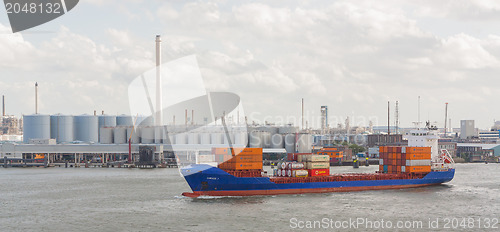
(204, 138)
(160, 134)
(134, 134)
(147, 134)
(193, 138)
(304, 143)
(277, 141)
(260, 139)
(290, 143)
(288, 130)
(106, 135)
(120, 135)
(124, 120)
(271, 129)
(62, 128)
(231, 136)
(241, 138)
(107, 120)
(216, 138)
(144, 121)
(86, 128)
(180, 138)
(36, 126)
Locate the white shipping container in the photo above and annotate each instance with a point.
(300, 173)
(289, 173)
(403, 168)
(317, 165)
(318, 158)
(418, 162)
(381, 161)
(403, 150)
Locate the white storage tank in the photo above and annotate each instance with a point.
(86, 128)
(144, 121)
(36, 126)
(277, 141)
(204, 138)
(241, 138)
(135, 138)
(180, 138)
(290, 143)
(106, 135)
(160, 134)
(171, 137)
(231, 136)
(304, 143)
(193, 138)
(147, 134)
(120, 135)
(288, 130)
(260, 139)
(62, 128)
(124, 120)
(216, 138)
(107, 120)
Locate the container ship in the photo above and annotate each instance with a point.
(241, 174)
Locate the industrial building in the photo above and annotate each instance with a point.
(467, 129)
(81, 137)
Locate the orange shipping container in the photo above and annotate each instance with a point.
(399, 169)
(418, 150)
(247, 158)
(418, 156)
(418, 168)
(241, 166)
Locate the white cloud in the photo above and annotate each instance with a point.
(353, 56)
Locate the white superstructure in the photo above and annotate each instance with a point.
(428, 137)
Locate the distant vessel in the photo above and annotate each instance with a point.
(419, 164)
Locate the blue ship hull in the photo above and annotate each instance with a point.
(212, 181)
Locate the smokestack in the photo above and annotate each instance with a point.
(388, 118)
(95, 112)
(445, 118)
(36, 97)
(158, 118)
(192, 117)
(186, 117)
(103, 112)
(302, 113)
(3, 105)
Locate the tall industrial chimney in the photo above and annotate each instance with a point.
(302, 125)
(3, 105)
(36, 97)
(158, 118)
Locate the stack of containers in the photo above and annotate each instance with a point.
(246, 159)
(290, 169)
(316, 165)
(397, 159)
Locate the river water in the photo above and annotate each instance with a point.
(118, 199)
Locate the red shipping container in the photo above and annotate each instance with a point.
(319, 172)
(292, 156)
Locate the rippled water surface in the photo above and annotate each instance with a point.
(95, 199)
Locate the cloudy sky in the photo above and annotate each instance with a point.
(353, 56)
